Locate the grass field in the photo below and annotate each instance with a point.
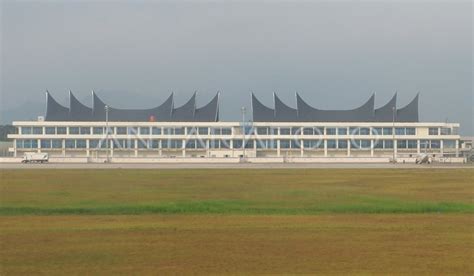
(237, 221)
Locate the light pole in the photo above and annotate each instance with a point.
(107, 132)
(243, 131)
(393, 134)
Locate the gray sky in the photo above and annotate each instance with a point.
(334, 54)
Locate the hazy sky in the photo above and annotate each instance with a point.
(334, 54)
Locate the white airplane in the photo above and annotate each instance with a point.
(424, 158)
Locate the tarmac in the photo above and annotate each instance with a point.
(233, 166)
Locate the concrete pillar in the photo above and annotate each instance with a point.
(457, 148)
(371, 148)
(87, 148)
(348, 148)
(301, 148)
(63, 148)
(184, 147)
(14, 148)
(136, 147)
(418, 147)
(38, 147)
(325, 148)
(278, 148)
(441, 147)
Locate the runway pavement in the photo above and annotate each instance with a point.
(231, 166)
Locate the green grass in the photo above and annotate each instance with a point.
(273, 192)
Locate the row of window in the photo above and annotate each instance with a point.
(440, 131)
(227, 144)
(341, 131)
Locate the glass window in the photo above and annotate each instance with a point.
(144, 130)
(285, 131)
(37, 130)
(143, 144)
(156, 130)
(191, 144)
(179, 131)
(331, 144)
(85, 130)
(263, 130)
(155, 144)
(435, 144)
(449, 144)
(354, 131)
(401, 144)
(191, 131)
(377, 131)
(203, 131)
(226, 131)
(308, 131)
(73, 130)
(364, 131)
(296, 130)
(387, 131)
(411, 144)
(224, 144)
(121, 130)
(81, 144)
(433, 131)
(61, 130)
(410, 131)
(98, 130)
(26, 130)
(249, 144)
(342, 144)
(445, 131)
(19, 144)
(378, 144)
(365, 144)
(312, 144)
(45, 143)
(50, 130)
(132, 130)
(295, 144)
(284, 144)
(56, 143)
(342, 131)
(388, 144)
(319, 131)
(400, 131)
(216, 131)
(70, 143)
(330, 131)
(237, 143)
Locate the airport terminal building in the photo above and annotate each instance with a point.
(101, 132)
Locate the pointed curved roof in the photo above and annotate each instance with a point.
(209, 112)
(55, 111)
(77, 110)
(162, 113)
(185, 113)
(385, 113)
(307, 113)
(409, 113)
(284, 113)
(261, 113)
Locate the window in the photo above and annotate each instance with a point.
(85, 130)
(37, 130)
(61, 130)
(27, 143)
(410, 131)
(45, 144)
(56, 143)
(365, 144)
(203, 131)
(143, 144)
(284, 144)
(449, 144)
(402, 144)
(26, 130)
(50, 130)
(330, 131)
(445, 131)
(433, 131)
(96, 144)
(342, 131)
(226, 131)
(171, 144)
(266, 144)
(378, 144)
(191, 131)
(263, 130)
(388, 144)
(308, 131)
(295, 144)
(387, 131)
(285, 131)
(224, 144)
(342, 144)
(377, 131)
(156, 130)
(179, 131)
(364, 131)
(98, 130)
(81, 144)
(400, 131)
(354, 131)
(312, 144)
(237, 143)
(73, 130)
(70, 143)
(249, 144)
(121, 130)
(296, 130)
(331, 144)
(132, 130)
(318, 130)
(412, 144)
(144, 130)
(435, 144)
(155, 144)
